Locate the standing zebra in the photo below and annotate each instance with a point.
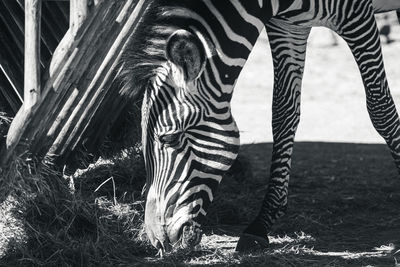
(185, 59)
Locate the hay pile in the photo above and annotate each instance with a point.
(343, 210)
(45, 220)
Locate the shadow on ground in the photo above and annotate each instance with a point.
(344, 206)
(344, 202)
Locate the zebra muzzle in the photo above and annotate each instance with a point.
(190, 236)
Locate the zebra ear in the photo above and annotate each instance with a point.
(185, 50)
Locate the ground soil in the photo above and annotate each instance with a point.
(344, 206)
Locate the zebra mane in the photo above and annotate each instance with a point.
(144, 55)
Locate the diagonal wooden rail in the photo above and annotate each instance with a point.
(59, 113)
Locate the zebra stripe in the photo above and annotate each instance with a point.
(189, 135)
(288, 33)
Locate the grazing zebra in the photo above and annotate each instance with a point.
(184, 60)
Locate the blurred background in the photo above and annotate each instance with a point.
(333, 105)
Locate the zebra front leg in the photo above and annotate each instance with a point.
(288, 45)
(362, 36)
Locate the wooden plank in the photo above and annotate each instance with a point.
(78, 13)
(31, 69)
(33, 10)
(71, 132)
(107, 72)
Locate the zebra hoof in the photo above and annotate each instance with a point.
(248, 242)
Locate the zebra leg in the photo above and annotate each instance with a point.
(288, 46)
(362, 36)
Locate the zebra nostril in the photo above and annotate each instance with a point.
(175, 235)
(191, 236)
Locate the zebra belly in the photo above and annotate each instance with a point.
(385, 5)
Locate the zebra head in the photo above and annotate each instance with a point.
(189, 140)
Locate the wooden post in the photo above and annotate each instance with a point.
(33, 9)
(78, 13)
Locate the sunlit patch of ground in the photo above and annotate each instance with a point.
(219, 249)
(333, 100)
(12, 232)
(343, 210)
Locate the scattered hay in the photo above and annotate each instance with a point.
(56, 226)
(327, 224)
(12, 230)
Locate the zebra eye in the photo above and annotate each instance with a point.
(170, 139)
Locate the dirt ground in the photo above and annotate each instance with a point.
(343, 210)
(344, 197)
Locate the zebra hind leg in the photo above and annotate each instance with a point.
(363, 40)
(288, 45)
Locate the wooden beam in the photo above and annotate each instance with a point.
(33, 10)
(78, 13)
(81, 8)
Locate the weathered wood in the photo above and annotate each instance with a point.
(76, 89)
(78, 13)
(32, 53)
(31, 68)
(100, 84)
(79, 10)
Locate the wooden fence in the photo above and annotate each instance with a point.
(54, 24)
(73, 104)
